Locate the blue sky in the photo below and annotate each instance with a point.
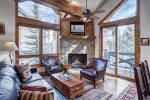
(126, 11)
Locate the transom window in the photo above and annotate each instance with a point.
(125, 11)
(33, 10)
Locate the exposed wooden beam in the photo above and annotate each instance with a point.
(62, 5)
(131, 20)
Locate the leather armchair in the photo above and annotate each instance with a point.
(51, 65)
(95, 70)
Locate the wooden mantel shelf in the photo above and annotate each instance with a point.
(78, 37)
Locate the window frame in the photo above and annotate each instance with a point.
(132, 20)
(27, 22)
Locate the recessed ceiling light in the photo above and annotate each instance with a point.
(74, 2)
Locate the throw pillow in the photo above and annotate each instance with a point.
(36, 95)
(34, 88)
(90, 65)
(23, 71)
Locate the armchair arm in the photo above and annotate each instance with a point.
(100, 74)
(85, 67)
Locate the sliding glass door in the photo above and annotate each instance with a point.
(126, 50)
(109, 48)
(119, 49)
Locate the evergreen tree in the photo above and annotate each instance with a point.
(33, 43)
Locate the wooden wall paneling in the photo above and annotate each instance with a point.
(90, 28)
(137, 36)
(65, 28)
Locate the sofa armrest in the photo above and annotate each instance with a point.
(33, 70)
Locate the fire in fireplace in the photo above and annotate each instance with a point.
(76, 60)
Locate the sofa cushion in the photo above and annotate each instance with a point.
(36, 95)
(23, 71)
(40, 82)
(7, 70)
(88, 72)
(34, 88)
(8, 90)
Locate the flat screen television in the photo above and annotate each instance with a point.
(77, 28)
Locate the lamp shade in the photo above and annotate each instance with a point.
(9, 46)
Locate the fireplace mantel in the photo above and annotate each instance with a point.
(79, 37)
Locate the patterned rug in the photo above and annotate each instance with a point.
(95, 94)
(48, 79)
(87, 87)
(130, 93)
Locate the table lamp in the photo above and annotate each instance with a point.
(10, 46)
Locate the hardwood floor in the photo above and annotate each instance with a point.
(111, 84)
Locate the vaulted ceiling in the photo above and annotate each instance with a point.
(96, 5)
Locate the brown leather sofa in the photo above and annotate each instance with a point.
(95, 70)
(51, 65)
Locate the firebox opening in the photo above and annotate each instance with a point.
(77, 60)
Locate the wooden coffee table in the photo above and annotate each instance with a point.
(70, 88)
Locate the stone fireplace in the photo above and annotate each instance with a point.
(77, 46)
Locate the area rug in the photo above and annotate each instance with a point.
(130, 93)
(48, 79)
(87, 87)
(95, 94)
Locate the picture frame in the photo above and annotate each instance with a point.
(144, 41)
(2, 29)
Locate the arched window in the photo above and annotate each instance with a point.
(33, 10)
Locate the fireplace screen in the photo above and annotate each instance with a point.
(77, 59)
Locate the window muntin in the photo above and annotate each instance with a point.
(49, 42)
(37, 11)
(30, 61)
(127, 10)
(28, 41)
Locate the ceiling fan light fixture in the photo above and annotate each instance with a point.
(86, 19)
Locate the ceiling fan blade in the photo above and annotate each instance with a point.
(95, 17)
(83, 8)
(96, 12)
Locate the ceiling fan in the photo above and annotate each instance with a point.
(88, 15)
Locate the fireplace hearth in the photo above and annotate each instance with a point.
(77, 60)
